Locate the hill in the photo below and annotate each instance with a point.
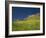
(32, 22)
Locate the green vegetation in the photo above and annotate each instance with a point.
(29, 23)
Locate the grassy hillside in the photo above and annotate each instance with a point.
(29, 23)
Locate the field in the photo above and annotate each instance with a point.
(28, 23)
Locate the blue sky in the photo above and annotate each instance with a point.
(23, 12)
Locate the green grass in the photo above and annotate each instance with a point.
(29, 23)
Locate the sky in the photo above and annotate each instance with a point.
(23, 12)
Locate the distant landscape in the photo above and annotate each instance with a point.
(29, 23)
(25, 18)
